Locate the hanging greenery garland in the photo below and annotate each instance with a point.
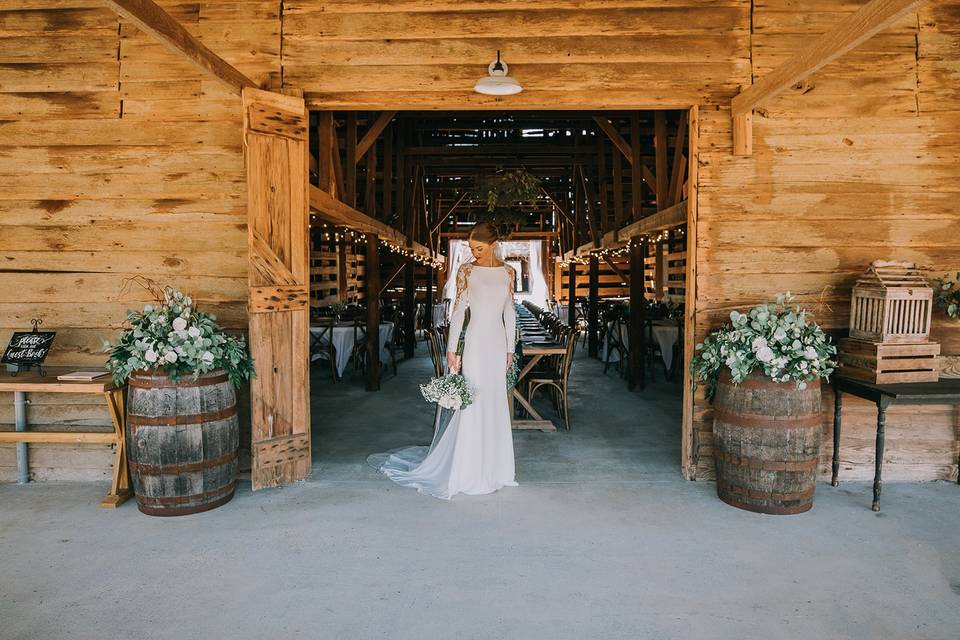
(502, 192)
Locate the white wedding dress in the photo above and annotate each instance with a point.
(474, 454)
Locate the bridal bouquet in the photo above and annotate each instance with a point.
(449, 391)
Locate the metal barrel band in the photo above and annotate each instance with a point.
(764, 495)
(762, 383)
(761, 421)
(163, 382)
(134, 420)
(173, 501)
(766, 465)
(184, 511)
(147, 469)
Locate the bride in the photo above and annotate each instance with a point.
(474, 454)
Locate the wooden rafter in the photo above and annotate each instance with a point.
(332, 210)
(373, 133)
(625, 149)
(668, 218)
(870, 19)
(154, 21)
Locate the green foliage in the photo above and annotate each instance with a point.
(774, 337)
(174, 338)
(502, 192)
(946, 295)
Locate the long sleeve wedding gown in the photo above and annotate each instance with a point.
(474, 455)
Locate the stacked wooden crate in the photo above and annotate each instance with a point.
(890, 327)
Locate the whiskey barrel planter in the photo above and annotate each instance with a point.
(182, 442)
(766, 439)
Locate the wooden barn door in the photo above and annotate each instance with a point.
(275, 143)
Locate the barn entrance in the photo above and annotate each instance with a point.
(600, 246)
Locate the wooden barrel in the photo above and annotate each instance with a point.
(182, 442)
(766, 443)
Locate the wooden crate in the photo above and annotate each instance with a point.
(889, 363)
(892, 303)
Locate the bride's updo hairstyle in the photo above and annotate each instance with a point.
(484, 232)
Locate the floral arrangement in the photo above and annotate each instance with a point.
(173, 337)
(450, 391)
(780, 340)
(502, 191)
(946, 295)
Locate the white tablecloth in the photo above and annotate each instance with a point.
(343, 342)
(666, 333)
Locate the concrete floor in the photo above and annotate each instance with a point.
(603, 539)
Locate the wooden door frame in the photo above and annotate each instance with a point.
(687, 449)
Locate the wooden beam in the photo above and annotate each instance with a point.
(147, 16)
(743, 134)
(660, 148)
(668, 218)
(350, 164)
(593, 307)
(372, 282)
(636, 174)
(870, 19)
(608, 128)
(450, 211)
(325, 130)
(688, 461)
(332, 210)
(679, 168)
(591, 210)
(374, 132)
(613, 265)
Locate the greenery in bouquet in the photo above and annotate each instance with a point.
(174, 338)
(780, 340)
(946, 295)
(450, 391)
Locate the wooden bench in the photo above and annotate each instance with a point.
(31, 382)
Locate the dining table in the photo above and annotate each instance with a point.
(343, 342)
(536, 343)
(665, 332)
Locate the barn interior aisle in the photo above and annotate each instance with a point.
(591, 209)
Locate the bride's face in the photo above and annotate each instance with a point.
(482, 251)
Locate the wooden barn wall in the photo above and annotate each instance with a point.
(861, 162)
(117, 159)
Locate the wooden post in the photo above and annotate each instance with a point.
(617, 192)
(325, 143)
(350, 165)
(341, 245)
(593, 343)
(428, 303)
(370, 199)
(636, 170)
(388, 174)
(409, 309)
(642, 313)
(636, 314)
(660, 144)
(572, 294)
(372, 270)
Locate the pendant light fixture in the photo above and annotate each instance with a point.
(498, 83)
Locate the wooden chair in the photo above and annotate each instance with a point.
(438, 351)
(560, 381)
(395, 344)
(321, 342)
(359, 353)
(616, 344)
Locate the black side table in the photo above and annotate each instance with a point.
(945, 391)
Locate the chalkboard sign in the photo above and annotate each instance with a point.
(28, 348)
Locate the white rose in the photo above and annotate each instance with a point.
(193, 332)
(810, 353)
(150, 355)
(207, 357)
(179, 324)
(171, 356)
(779, 335)
(759, 343)
(765, 354)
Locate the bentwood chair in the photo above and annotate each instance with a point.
(321, 342)
(438, 350)
(559, 383)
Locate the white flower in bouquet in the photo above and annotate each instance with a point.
(449, 391)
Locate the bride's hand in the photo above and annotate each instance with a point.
(509, 360)
(453, 362)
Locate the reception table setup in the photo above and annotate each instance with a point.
(344, 337)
